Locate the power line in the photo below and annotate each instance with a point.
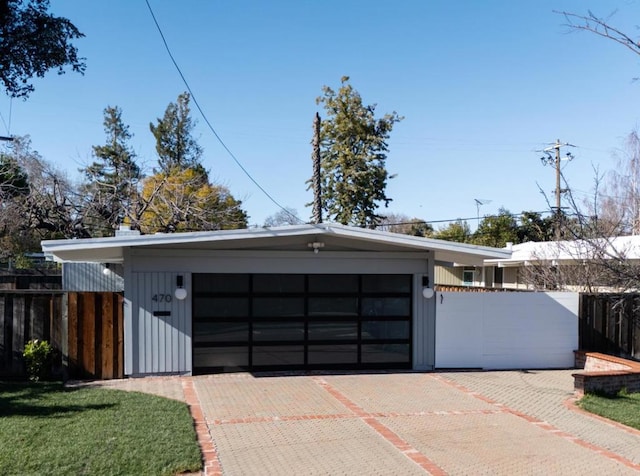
(428, 222)
(206, 120)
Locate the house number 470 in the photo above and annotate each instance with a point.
(161, 298)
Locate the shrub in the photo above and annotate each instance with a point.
(37, 355)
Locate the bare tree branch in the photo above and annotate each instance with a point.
(600, 27)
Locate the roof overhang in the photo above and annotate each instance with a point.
(333, 237)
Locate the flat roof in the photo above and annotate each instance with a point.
(568, 252)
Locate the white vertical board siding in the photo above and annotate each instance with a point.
(506, 330)
(162, 343)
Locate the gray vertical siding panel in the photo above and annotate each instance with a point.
(89, 277)
(163, 342)
(187, 351)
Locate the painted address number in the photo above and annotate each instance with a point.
(162, 298)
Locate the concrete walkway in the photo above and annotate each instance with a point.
(398, 424)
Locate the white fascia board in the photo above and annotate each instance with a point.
(99, 249)
(420, 242)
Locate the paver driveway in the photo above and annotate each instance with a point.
(404, 423)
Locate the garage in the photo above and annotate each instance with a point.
(301, 321)
(311, 297)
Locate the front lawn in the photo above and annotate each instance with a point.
(623, 407)
(48, 429)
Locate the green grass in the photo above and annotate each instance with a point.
(623, 407)
(48, 429)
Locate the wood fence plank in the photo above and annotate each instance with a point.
(120, 329)
(107, 336)
(72, 335)
(6, 321)
(20, 331)
(88, 332)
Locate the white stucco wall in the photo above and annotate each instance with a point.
(506, 330)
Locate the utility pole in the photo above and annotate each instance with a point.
(554, 159)
(316, 180)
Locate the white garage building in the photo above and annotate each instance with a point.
(309, 297)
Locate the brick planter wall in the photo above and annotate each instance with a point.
(605, 373)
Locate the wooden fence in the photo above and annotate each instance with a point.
(26, 315)
(85, 329)
(610, 323)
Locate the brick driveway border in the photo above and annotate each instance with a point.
(408, 423)
(509, 422)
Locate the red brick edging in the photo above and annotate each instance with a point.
(370, 419)
(571, 404)
(211, 461)
(544, 425)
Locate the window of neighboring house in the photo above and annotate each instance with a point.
(467, 277)
(498, 277)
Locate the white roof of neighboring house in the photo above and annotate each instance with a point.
(334, 237)
(567, 252)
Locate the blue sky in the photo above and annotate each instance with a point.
(482, 86)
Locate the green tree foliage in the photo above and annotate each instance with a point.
(111, 190)
(455, 231)
(180, 197)
(32, 42)
(13, 179)
(175, 144)
(184, 200)
(533, 227)
(497, 230)
(353, 155)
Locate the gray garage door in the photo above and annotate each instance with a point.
(301, 321)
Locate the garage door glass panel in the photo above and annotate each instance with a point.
(386, 306)
(221, 283)
(372, 330)
(278, 283)
(333, 283)
(333, 330)
(263, 321)
(221, 332)
(334, 306)
(386, 283)
(220, 307)
(278, 307)
(220, 356)
(386, 353)
(281, 355)
(333, 354)
(278, 331)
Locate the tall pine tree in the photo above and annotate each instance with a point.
(113, 178)
(175, 144)
(353, 155)
(178, 196)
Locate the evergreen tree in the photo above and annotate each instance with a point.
(535, 228)
(353, 155)
(497, 230)
(175, 144)
(112, 180)
(13, 179)
(32, 41)
(456, 231)
(179, 196)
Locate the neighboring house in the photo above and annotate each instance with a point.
(309, 297)
(566, 265)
